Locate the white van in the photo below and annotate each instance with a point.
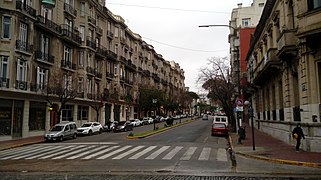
(221, 119)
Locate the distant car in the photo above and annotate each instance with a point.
(205, 117)
(90, 128)
(219, 129)
(148, 120)
(123, 126)
(61, 131)
(136, 122)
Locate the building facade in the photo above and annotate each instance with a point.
(77, 57)
(284, 64)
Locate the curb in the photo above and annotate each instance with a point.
(162, 130)
(280, 161)
(19, 145)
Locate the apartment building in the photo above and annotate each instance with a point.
(75, 60)
(284, 62)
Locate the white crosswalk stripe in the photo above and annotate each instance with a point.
(188, 154)
(173, 152)
(158, 152)
(114, 152)
(205, 154)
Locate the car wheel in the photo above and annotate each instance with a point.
(61, 138)
(74, 136)
(90, 133)
(100, 131)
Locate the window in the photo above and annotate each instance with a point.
(68, 24)
(4, 68)
(67, 113)
(42, 76)
(6, 27)
(21, 70)
(82, 32)
(81, 58)
(83, 113)
(67, 82)
(116, 31)
(246, 22)
(314, 4)
(67, 54)
(37, 116)
(89, 85)
(44, 46)
(115, 69)
(82, 8)
(80, 85)
(46, 12)
(261, 4)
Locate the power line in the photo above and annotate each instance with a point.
(183, 48)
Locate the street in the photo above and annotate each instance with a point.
(188, 150)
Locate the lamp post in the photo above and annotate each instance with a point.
(236, 44)
(154, 122)
(126, 113)
(249, 104)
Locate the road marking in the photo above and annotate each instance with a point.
(87, 152)
(221, 155)
(86, 143)
(158, 152)
(17, 150)
(49, 149)
(205, 154)
(188, 154)
(114, 152)
(48, 152)
(138, 155)
(101, 152)
(172, 153)
(61, 152)
(26, 152)
(74, 152)
(128, 152)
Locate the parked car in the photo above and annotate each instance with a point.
(109, 126)
(90, 128)
(61, 131)
(205, 117)
(148, 120)
(219, 129)
(136, 122)
(123, 126)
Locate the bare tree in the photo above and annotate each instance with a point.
(98, 103)
(62, 88)
(216, 79)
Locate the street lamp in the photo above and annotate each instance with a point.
(154, 122)
(251, 113)
(236, 44)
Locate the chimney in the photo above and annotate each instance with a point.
(239, 5)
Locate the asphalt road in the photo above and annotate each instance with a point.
(188, 151)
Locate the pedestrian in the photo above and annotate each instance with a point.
(297, 134)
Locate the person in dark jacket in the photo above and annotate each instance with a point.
(297, 133)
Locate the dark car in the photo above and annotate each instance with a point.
(109, 126)
(123, 126)
(219, 129)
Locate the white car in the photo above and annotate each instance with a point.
(136, 122)
(147, 120)
(90, 128)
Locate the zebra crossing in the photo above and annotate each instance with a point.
(113, 152)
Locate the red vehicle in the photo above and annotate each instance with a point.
(219, 129)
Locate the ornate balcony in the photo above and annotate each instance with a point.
(48, 25)
(109, 75)
(4, 82)
(68, 65)
(99, 30)
(110, 34)
(44, 57)
(22, 85)
(22, 6)
(270, 64)
(90, 70)
(70, 10)
(287, 43)
(24, 46)
(101, 52)
(38, 87)
(70, 36)
(90, 43)
(91, 20)
(111, 55)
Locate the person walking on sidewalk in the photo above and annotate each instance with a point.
(297, 134)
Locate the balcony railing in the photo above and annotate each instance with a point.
(37, 87)
(68, 65)
(90, 70)
(70, 9)
(4, 82)
(90, 43)
(22, 85)
(26, 8)
(287, 41)
(112, 55)
(109, 75)
(45, 57)
(110, 34)
(48, 24)
(91, 20)
(99, 30)
(80, 94)
(66, 31)
(101, 51)
(23, 46)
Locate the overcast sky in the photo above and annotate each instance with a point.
(171, 27)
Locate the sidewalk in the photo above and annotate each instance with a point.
(271, 149)
(20, 142)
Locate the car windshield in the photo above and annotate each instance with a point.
(86, 125)
(57, 128)
(218, 125)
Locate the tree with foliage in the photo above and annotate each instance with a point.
(146, 97)
(216, 79)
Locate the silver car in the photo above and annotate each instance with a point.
(61, 131)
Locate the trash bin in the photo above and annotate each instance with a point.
(241, 133)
